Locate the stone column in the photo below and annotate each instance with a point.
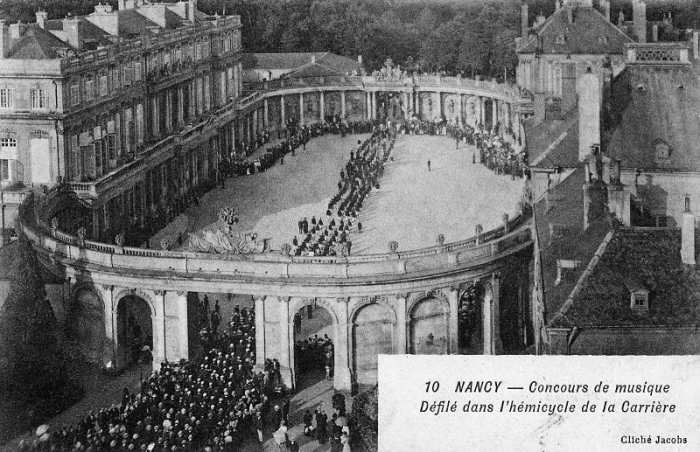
(259, 333)
(482, 108)
(374, 104)
(193, 98)
(282, 118)
(159, 344)
(494, 112)
(401, 323)
(255, 122)
(180, 105)
(342, 104)
(368, 100)
(406, 107)
(453, 326)
(342, 377)
(439, 104)
(516, 126)
(322, 107)
(507, 119)
(182, 330)
(169, 109)
(286, 355)
(110, 319)
(491, 308)
(301, 109)
(460, 113)
(266, 117)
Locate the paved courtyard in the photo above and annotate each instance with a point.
(412, 206)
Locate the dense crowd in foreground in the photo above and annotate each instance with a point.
(216, 402)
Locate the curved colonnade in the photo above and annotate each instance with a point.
(388, 303)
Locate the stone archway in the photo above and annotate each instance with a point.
(315, 338)
(134, 328)
(372, 335)
(429, 330)
(471, 320)
(85, 324)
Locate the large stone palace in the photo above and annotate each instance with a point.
(128, 109)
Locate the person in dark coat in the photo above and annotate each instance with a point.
(277, 417)
(308, 421)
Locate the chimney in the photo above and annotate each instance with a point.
(71, 27)
(41, 17)
(17, 30)
(594, 192)
(359, 59)
(523, 20)
(568, 85)
(605, 5)
(655, 33)
(621, 19)
(639, 17)
(688, 234)
(191, 9)
(313, 58)
(105, 18)
(121, 6)
(4, 39)
(696, 44)
(589, 108)
(618, 195)
(557, 5)
(570, 14)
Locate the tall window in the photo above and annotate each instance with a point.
(137, 71)
(127, 74)
(8, 152)
(4, 169)
(115, 77)
(6, 98)
(89, 89)
(104, 86)
(38, 97)
(74, 94)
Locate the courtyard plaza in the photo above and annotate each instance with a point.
(412, 206)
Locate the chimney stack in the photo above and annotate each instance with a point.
(639, 17)
(557, 5)
(688, 234)
(696, 44)
(605, 4)
(619, 198)
(41, 17)
(589, 108)
(4, 39)
(359, 59)
(568, 85)
(570, 14)
(594, 192)
(655, 33)
(313, 58)
(621, 19)
(120, 5)
(524, 21)
(71, 26)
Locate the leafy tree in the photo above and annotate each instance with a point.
(28, 329)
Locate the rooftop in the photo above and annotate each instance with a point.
(651, 257)
(589, 32)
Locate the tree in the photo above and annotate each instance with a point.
(28, 329)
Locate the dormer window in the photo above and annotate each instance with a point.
(663, 150)
(639, 295)
(561, 39)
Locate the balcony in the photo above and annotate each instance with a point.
(657, 53)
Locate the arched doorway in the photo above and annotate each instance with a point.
(314, 345)
(429, 327)
(134, 329)
(391, 106)
(372, 334)
(471, 321)
(85, 325)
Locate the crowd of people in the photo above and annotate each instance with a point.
(360, 175)
(315, 353)
(214, 403)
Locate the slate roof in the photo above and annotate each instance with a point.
(651, 256)
(590, 33)
(131, 23)
(553, 143)
(663, 104)
(37, 44)
(560, 235)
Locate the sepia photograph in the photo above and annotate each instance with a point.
(216, 215)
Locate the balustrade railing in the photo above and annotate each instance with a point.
(501, 240)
